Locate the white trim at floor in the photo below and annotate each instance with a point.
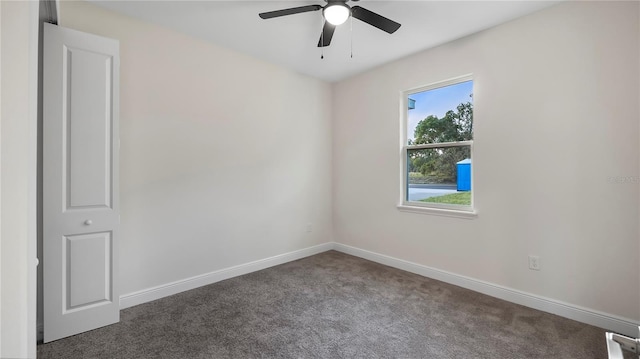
(165, 290)
(585, 315)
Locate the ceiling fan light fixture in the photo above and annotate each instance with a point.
(336, 14)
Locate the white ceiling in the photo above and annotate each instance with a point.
(291, 41)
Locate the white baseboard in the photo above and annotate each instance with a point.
(165, 290)
(603, 320)
(585, 315)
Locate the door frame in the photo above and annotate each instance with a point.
(19, 188)
(48, 13)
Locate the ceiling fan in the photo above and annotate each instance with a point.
(336, 12)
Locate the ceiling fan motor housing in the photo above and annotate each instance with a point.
(336, 12)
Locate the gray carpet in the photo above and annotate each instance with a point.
(333, 305)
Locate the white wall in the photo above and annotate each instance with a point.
(224, 158)
(556, 127)
(1, 177)
(18, 74)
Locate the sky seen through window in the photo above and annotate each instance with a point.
(437, 102)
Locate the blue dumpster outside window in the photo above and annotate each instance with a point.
(464, 174)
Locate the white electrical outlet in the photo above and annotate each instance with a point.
(534, 263)
(309, 227)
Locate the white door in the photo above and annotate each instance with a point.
(80, 182)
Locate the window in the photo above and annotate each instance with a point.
(437, 146)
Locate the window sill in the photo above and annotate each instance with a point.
(438, 211)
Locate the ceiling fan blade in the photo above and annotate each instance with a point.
(327, 34)
(374, 19)
(291, 11)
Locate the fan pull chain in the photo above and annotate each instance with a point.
(322, 45)
(322, 40)
(351, 32)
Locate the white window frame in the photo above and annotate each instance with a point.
(442, 209)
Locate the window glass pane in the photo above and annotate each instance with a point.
(439, 175)
(443, 114)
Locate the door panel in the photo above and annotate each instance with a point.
(88, 270)
(88, 127)
(80, 182)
